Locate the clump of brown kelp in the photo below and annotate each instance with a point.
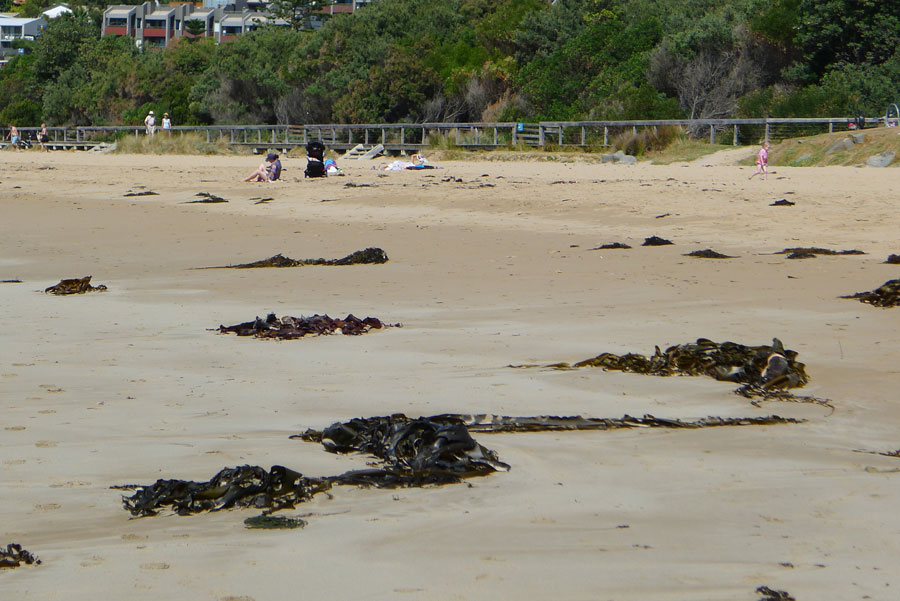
(770, 366)
(656, 241)
(765, 371)
(708, 253)
(886, 295)
(410, 452)
(370, 255)
(74, 286)
(893, 260)
(289, 328)
(15, 555)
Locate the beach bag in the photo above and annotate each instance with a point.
(314, 168)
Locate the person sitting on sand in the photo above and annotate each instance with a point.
(268, 171)
(274, 167)
(762, 162)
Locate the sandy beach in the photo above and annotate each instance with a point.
(491, 265)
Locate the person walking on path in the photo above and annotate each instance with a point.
(762, 162)
(150, 123)
(167, 124)
(13, 136)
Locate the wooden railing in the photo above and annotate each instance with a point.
(412, 137)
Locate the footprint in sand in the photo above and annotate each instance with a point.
(14, 428)
(47, 506)
(155, 565)
(92, 561)
(45, 444)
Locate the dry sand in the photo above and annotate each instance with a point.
(488, 268)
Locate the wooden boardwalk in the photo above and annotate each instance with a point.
(397, 138)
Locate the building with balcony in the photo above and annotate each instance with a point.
(155, 25)
(14, 28)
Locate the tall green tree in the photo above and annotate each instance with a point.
(297, 13)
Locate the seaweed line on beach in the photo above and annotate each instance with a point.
(369, 255)
(410, 452)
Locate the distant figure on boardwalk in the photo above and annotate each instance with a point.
(150, 123)
(43, 138)
(762, 162)
(13, 136)
(167, 124)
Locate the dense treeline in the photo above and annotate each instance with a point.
(478, 60)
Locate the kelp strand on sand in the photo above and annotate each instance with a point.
(15, 555)
(808, 252)
(74, 286)
(410, 453)
(708, 253)
(289, 328)
(886, 295)
(367, 256)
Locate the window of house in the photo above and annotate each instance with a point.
(117, 22)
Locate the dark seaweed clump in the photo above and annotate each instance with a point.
(770, 366)
(206, 197)
(611, 245)
(274, 522)
(289, 328)
(784, 202)
(886, 295)
(769, 594)
(74, 286)
(367, 256)
(15, 555)
(411, 452)
(708, 253)
(656, 241)
(893, 260)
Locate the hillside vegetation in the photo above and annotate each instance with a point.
(476, 60)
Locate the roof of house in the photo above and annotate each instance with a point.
(13, 21)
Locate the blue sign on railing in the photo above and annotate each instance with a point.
(520, 127)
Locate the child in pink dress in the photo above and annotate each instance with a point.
(762, 162)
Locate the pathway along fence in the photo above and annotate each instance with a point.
(413, 137)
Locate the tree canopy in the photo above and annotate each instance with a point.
(475, 60)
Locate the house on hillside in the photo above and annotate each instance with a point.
(15, 28)
(154, 25)
(57, 10)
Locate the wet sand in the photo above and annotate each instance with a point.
(490, 265)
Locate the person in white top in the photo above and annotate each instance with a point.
(167, 123)
(150, 123)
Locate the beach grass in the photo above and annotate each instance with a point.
(176, 143)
